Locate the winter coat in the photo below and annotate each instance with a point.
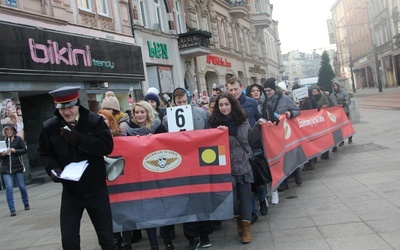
(200, 116)
(93, 142)
(17, 165)
(250, 107)
(239, 157)
(341, 97)
(323, 100)
(282, 103)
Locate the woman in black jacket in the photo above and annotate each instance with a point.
(12, 166)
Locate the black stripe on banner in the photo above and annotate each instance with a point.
(166, 183)
(139, 214)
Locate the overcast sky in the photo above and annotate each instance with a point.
(302, 24)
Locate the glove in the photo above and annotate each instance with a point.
(54, 177)
(70, 136)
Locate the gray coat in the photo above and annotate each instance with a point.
(200, 118)
(239, 157)
(341, 97)
(282, 103)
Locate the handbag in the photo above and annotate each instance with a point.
(259, 166)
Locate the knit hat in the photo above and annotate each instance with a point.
(152, 96)
(110, 101)
(270, 83)
(153, 90)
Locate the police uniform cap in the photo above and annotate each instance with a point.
(65, 97)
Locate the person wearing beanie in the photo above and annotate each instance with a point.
(75, 134)
(270, 83)
(282, 105)
(12, 166)
(111, 103)
(154, 100)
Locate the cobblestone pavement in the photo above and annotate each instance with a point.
(351, 201)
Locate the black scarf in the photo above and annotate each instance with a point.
(317, 97)
(230, 123)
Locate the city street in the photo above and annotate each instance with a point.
(351, 201)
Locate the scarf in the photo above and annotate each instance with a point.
(317, 97)
(231, 124)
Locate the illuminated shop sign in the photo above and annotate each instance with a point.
(31, 51)
(216, 60)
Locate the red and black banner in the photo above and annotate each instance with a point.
(295, 141)
(172, 178)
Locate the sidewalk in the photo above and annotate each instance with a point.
(351, 201)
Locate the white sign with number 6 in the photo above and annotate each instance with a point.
(180, 118)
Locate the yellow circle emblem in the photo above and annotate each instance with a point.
(208, 156)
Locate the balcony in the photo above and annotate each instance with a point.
(194, 43)
(238, 8)
(261, 20)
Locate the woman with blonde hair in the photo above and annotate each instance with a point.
(111, 122)
(144, 120)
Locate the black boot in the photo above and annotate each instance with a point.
(263, 207)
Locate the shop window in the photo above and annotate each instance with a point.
(102, 7)
(12, 3)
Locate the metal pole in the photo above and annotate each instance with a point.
(352, 76)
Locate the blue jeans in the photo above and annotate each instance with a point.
(261, 194)
(9, 183)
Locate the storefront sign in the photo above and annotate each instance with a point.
(216, 60)
(30, 51)
(257, 70)
(157, 50)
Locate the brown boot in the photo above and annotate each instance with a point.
(239, 225)
(246, 237)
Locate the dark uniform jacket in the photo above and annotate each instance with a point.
(94, 141)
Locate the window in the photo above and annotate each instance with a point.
(102, 7)
(85, 4)
(222, 33)
(179, 17)
(142, 13)
(159, 16)
(235, 38)
(12, 3)
(257, 6)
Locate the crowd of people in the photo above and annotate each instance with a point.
(76, 134)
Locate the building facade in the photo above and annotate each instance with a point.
(50, 44)
(244, 43)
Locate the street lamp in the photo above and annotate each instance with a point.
(352, 76)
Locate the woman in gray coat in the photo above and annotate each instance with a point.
(228, 114)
